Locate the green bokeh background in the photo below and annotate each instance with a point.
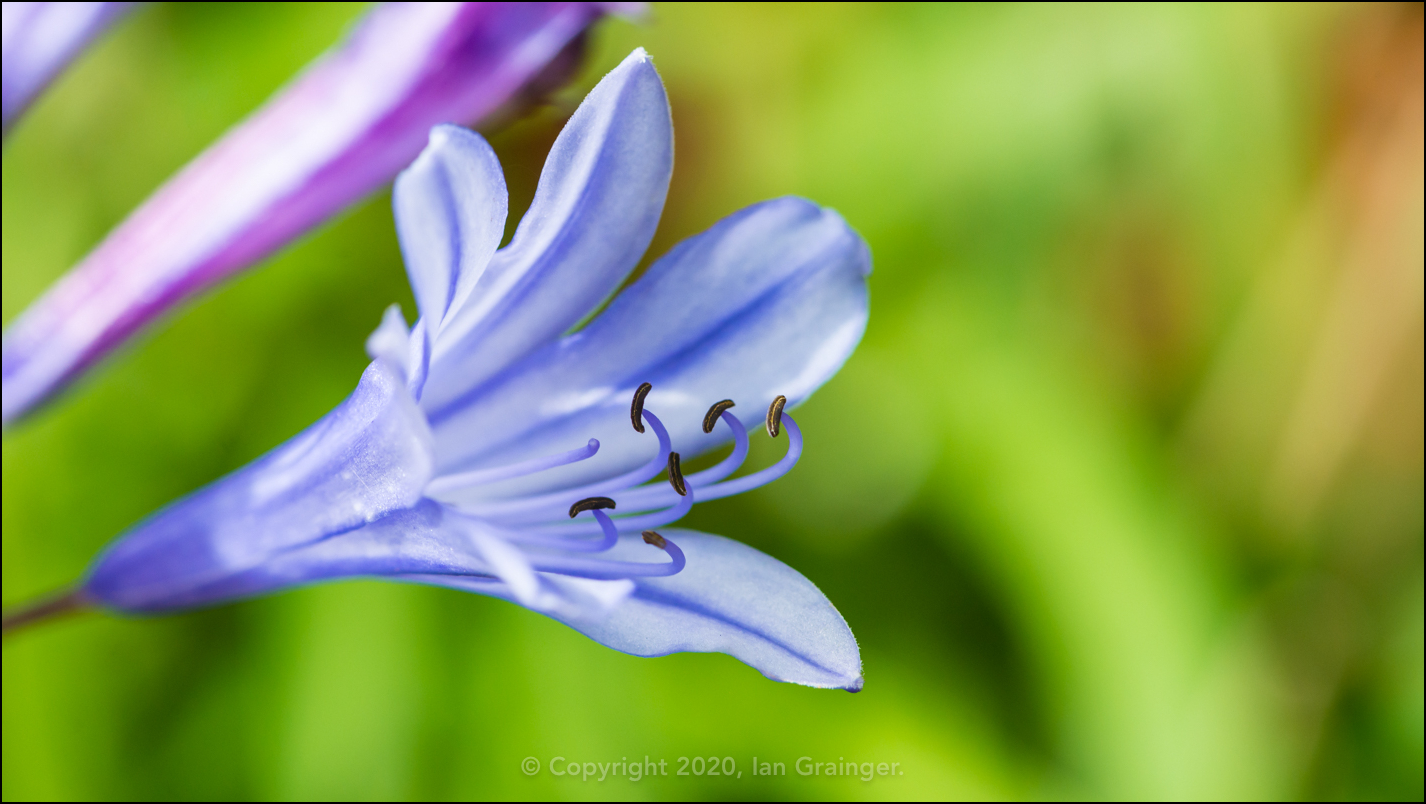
(1121, 494)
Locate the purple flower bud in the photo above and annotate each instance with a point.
(344, 127)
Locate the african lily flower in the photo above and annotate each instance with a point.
(489, 449)
(343, 128)
(39, 40)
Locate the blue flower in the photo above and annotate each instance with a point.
(500, 447)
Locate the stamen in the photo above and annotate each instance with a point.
(636, 412)
(570, 539)
(711, 417)
(590, 504)
(606, 570)
(644, 498)
(611, 537)
(650, 496)
(728, 465)
(658, 518)
(611, 533)
(774, 416)
(675, 475)
(527, 537)
(502, 520)
(479, 476)
(652, 519)
(567, 539)
(546, 505)
(752, 481)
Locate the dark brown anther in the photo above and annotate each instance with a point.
(675, 475)
(652, 537)
(774, 416)
(589, 504)
(711, 417)
(636, 412)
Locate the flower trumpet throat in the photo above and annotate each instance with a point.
(532, 523)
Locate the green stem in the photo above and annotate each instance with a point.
(44, 609)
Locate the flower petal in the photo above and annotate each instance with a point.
(418, 359)
(367, 458)
(560, 595)
(419, 539)
(507, 563)
(427, 544)
(450, 207)
(344, 127)
(40, 39)
(392, 341)
(594, 213)
(769, 301)
(729, 599)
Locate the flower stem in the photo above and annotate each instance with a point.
(44, 609)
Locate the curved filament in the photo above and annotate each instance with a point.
(607, 570)
(546, 506)
(728, 465)
(481, 476)
(651, 519)
(752, 481)
(655, 496)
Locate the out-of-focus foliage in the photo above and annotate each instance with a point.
(1122, 493)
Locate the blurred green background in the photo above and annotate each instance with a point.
(1121, 494)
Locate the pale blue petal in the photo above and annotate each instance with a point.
(729, 599)
(418, 359)
(562, 595)
(425, 543)
(419, 539)
(368, 457)
(594, 213)
(450, 207)
(391, 341)
(769, 301)
(509, 565)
